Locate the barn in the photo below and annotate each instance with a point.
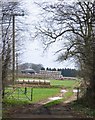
(28, 71)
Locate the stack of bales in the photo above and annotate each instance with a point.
(34, 82)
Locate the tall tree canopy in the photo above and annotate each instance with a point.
(74, 25)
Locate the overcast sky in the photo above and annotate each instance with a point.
(33, 50)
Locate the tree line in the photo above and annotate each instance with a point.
(66, 72)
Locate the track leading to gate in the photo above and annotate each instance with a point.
(38, 110)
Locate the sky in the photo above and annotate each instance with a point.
(33, 51)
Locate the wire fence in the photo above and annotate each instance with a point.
(19, 93)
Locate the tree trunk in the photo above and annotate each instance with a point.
(90, 93)
(3, 83)
(92, 84)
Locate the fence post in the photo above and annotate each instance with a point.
(18, 93)
(25, 92)
(77, 93)
(31, 94)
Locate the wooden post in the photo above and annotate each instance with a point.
(77, 93)
(18, 93)
(16, 66)
(31, 94)
(25, 92)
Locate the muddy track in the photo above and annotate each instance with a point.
(38, 110)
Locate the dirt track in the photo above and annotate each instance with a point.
(38, 110)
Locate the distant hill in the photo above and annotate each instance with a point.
(36, 67)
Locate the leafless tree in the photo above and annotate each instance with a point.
(74, 25)
(9, 10)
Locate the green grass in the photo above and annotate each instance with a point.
(64, 83)
(18, 96)
(14, 102)
(68, 84)
(55, 102)
(43, 93)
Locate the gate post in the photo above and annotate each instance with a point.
(31, 94)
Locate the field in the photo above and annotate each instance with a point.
(64, 83)
(20, 98)
(37, 95)
(32, 95)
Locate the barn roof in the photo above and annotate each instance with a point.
(29, 70)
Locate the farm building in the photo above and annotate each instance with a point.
(28, 71)
(43, 74)
(48, 74)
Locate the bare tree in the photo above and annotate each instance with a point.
(74, 25)
(6, 39)
(9, 11)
